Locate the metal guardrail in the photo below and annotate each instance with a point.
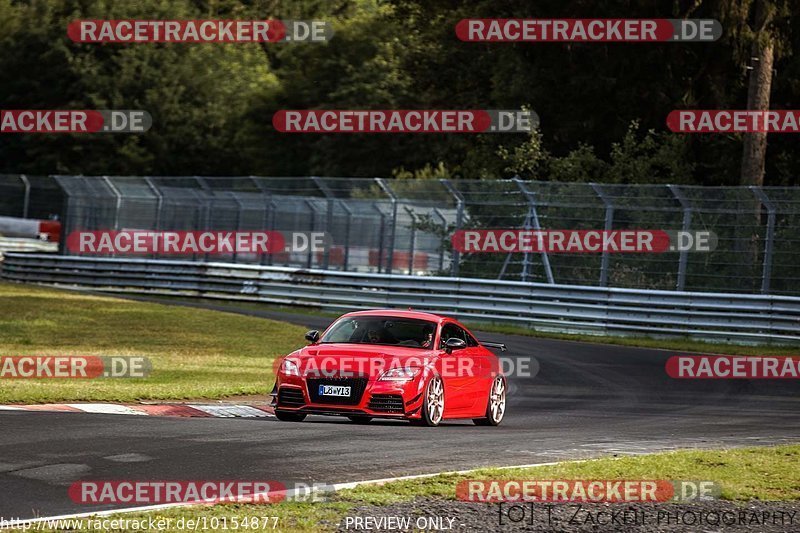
(739, 318)
(8, 245)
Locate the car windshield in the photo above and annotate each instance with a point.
(382, 330)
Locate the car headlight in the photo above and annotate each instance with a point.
(290, 368)
(400, 374)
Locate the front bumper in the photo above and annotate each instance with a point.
(377, 399)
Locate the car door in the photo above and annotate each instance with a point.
(486, 365)
(458, 370)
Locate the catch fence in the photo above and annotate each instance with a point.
(404, 226)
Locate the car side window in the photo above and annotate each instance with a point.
(470, 340)
(448, 332)
(463, 335)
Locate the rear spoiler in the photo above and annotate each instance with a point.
(494, 345)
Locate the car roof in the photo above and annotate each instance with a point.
(419, 315)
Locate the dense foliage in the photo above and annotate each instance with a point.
(602, 106)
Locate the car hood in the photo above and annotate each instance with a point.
(367, 360)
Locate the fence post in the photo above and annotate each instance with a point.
(239, 213)
(393, 198)
(265, 258)
(27, 200)
(608, 224)
(310, 260)
(441, 245)
(455, 257)
(347, 223)
(381, 230)
(118, 207)
(326, 253)
(208, 205)
(769, 239)
(118, 198)
(532, 218)
(687, 221)
(159, 204)
(271, 214)
(412, 239)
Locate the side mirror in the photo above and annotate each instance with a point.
(312, 336)
(454, 344)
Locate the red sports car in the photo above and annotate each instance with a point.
(410, 365)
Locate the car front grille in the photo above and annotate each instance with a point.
(388, 403)
(288, 397)
(357, 387)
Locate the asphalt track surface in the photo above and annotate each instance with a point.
(587, 400)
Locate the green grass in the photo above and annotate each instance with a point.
(764, 473)
(195, 353)
(745, 474)
(239, 305)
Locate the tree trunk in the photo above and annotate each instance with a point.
(754, 152)
(755, 144)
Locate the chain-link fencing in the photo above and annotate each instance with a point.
(405, 226)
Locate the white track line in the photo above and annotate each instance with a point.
(215, 410)
(289, 493)
(106, 408)
(230, 411)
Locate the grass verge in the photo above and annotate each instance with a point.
(763, 473)
(195, 353)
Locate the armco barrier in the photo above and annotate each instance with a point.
(576, 309)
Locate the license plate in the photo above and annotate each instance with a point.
(334, 390)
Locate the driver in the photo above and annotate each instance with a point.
(427, 335)
(374, 336)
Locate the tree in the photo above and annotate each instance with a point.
(754, 152)
(762, 30)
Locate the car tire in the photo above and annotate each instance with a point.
(432, 403)
(495, 404)
(357, 419)
(287, 416)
